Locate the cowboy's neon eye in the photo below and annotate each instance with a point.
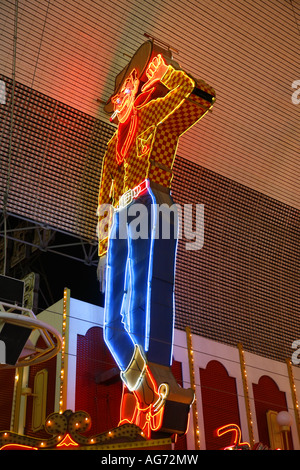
(127, 90)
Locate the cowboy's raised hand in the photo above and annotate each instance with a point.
(155, 71)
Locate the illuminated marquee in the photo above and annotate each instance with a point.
(67, 431)
(153, 104)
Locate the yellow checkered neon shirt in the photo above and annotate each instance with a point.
(158, 126)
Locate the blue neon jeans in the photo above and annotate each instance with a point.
(139, 297)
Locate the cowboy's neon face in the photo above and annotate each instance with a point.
(123, 101)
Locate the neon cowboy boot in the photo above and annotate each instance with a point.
(176, 401)
(150, 398)
(161, 404)
(128, 409)
(150, 403)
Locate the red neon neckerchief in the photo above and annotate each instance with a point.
(127, 130)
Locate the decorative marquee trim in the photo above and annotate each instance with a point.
(66, 429)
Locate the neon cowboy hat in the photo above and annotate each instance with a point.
(139, 62)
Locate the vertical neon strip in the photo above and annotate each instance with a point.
(174, 305)
(64, 362)
(126, 302)
(148, 300)
(294, 395)
(193, 386)
(16, 407)
(246, 394)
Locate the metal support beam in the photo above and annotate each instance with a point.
(38, 236)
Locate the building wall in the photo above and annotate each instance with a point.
(85, 321)
(219, 402)
(218, 376)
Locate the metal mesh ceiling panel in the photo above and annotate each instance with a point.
(52, 170)
(243, 285)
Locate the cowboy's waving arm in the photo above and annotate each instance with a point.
(179, 84)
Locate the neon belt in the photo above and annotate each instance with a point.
(131, 194)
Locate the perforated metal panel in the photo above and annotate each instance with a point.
(100, 400)
(55, 161)
(7, 380)
(243, 286)
(219, 404)
(268, 396)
